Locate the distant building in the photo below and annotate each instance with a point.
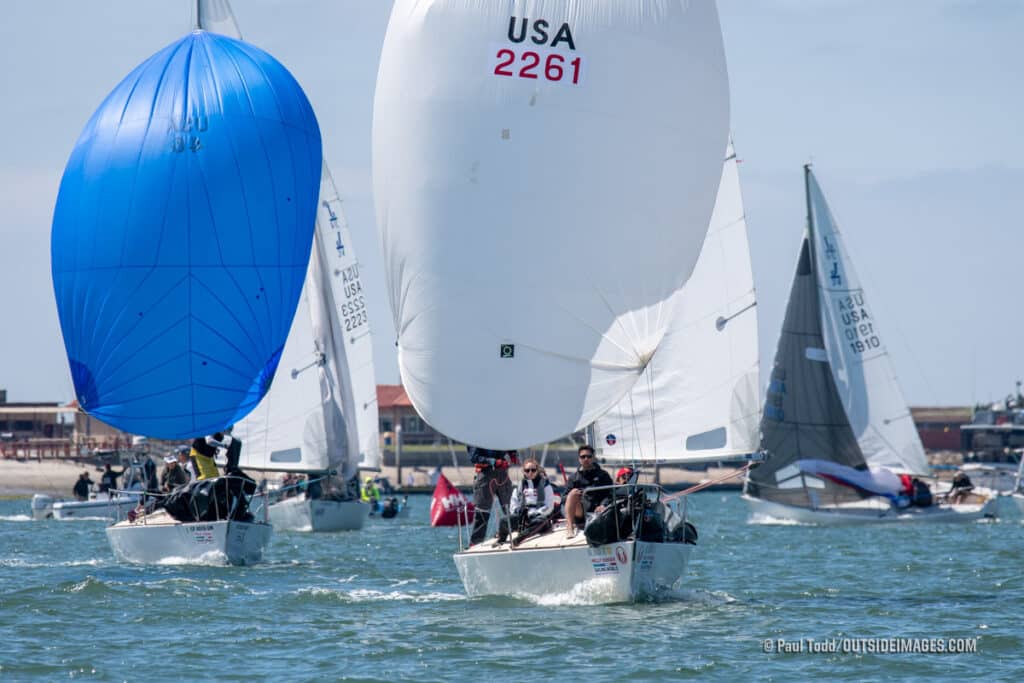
(21, 421)
(939, 428)
(395, 408)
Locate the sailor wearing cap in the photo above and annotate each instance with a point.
(173, 476)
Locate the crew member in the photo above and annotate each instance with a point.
(580, 499)
(491, 480)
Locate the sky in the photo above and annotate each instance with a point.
(909, 112)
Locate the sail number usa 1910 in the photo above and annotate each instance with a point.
(538, 50)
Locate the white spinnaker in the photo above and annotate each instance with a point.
(535, 228)
(346, 384)
(861, 367)
(703, 380)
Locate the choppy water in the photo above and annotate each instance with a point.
(386, 604)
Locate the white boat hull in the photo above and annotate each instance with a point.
(302, 514)
(870, 512)
(106, 508)
(625, 571)
(159, 538)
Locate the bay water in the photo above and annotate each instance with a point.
(386, 603)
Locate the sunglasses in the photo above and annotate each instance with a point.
(586, 455)
(529, 469)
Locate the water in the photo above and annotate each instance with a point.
(386, 603)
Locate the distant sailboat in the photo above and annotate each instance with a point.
(836, 429)
(181, 237)
(320, 415)
(538, 212)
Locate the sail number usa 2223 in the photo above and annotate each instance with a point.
(535, 52)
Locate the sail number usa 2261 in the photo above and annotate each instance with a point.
(536, 52)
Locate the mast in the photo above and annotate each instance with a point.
(810, 214)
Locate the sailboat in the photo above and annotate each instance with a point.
(836, 430)
(320, 415)
(181, 237)
(538, 213)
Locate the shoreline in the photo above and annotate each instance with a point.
(21, 478)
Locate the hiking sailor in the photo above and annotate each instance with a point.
(533, 501)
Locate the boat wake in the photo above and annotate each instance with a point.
(214, 558)
(768, 520)
(360, 595)
(700, 596)
(15, 518)
(22, 564)
(590, 592)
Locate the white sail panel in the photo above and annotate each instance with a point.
(699, 398)
(861, 367)
(542, 189)
(287, 431)
(216, 16)
(352, 340)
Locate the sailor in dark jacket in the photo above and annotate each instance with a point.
(491, 479)
(580, 500)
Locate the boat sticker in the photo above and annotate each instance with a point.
(202, 534)
(604, 565)
(610, 439)
(603, 560)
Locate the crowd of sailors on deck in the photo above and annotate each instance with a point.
(530, 507)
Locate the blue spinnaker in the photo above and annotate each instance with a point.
(181, 237)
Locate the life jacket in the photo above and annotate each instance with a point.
(370, 493)
(202, 454)
(532, 492)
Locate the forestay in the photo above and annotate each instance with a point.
(302, 424)
(699, 397)
(181, 236)
(862, 369)
(542, 190)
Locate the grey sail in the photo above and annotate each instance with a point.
(803, 415)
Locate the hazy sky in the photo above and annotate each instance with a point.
(910, 111)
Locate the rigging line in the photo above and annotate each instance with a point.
(635, 429)
(704, 484)
(650, 401)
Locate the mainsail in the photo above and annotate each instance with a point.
(699, 398)
(861, 367)
(181, 236)
(805, 416)
(322, 413)
(544, 174)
